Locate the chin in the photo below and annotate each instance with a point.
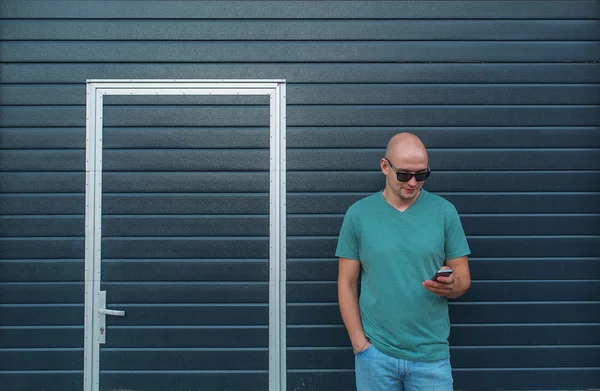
(409, 196)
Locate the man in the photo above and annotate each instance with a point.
(396, 240)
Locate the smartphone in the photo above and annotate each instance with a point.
(442, 272)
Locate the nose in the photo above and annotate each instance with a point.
(413, 181)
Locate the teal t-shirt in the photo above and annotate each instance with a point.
(397, 252)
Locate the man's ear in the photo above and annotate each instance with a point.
(383, 165)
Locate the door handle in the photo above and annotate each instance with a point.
(101, 316)
(111, 312)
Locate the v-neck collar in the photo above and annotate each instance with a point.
(411, 206)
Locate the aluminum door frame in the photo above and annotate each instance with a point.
(276, 90)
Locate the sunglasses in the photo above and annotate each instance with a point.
(407, 176)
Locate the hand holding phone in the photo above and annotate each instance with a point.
(441, 272)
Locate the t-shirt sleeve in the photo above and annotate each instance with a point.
(347, 246)
(456, 245)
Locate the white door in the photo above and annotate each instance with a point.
(185, 244)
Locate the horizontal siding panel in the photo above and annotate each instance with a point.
(46, 248)
(183, 360)
(524, 312)
(480, 291)
(132, 248)
(297, 203)
(303, 137)
(38, 359)
(449, 115)
(302, 10)
(136, 182)
(221, 203)
(185, 270)
(184, 292)
(250, 226)
(309, 73)
(42, 380)
(415, 94)
(145, 116)
(181, 314)
(41, 116)
(41, 270)
(580, 246)
(42, 226)
(42, 293)
(187, 137)
(233, 247)
(256, 380)
(525, 335)
(172, 314)
(311, 116)
(74, 94)
(314, 379)
(136, 270)
(138, 137)
(463, 357)
(73, 380)
(315, 359)
(333, 94)
(538, 268)
(140, 160)
(297, 160)
(170, 100)
(175, 182)
(35, 204)
(473, 225)
(446, 137)
(552, 290)
(116, 101)
(460, 335)
(532, 225)
(243, 115)
(371, 116)
(188, 337)
(298, 52)
(526, 378)
(258, 226)
(306, 30)
(481, 269)
(41, 315)
(55, 94)
(522, 203)
(310, 314)
(42, 337)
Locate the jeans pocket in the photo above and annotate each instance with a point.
(364, 350)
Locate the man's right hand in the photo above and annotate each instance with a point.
(361, 347)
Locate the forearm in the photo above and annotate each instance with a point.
(348, 300)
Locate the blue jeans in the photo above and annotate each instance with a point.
(376, 371)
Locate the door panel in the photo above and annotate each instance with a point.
(189, 267)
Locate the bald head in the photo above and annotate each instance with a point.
(406, 146)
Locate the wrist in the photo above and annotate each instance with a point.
(457, 290)
(361, 347)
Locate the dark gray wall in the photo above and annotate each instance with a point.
(504, 93)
